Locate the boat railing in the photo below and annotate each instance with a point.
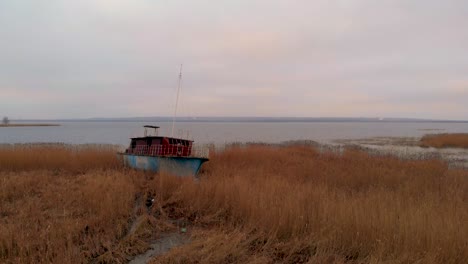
(202, 151)
(177, 150)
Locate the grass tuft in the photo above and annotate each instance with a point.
(445, 140)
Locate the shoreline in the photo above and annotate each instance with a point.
(28, 125)
(405, 148)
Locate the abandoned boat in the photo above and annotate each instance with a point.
(163, 154)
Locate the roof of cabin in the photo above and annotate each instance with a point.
(160, 137)
(151, 126)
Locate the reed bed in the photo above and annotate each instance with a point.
(459, 140)
(66, 204)
(76, 158)
(296, 205)
(253, 204)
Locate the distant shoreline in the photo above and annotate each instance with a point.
(28, 125)
(249, 120)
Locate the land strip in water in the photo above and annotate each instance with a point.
(29, 125)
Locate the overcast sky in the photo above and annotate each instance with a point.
(342, 58)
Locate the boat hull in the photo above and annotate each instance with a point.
(180, 166)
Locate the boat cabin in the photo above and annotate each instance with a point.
(154, 145)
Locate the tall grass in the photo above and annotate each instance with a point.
(62, 204)
(293, 205)
(459, 140)
(256, 204)
(58, 157)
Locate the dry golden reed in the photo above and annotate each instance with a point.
(58, 157)
(63, 204)
(459, 140)
(290, 205)
(258, 204)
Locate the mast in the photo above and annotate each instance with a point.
(177, 101)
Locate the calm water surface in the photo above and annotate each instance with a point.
(220, 133)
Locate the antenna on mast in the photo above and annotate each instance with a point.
(177, 101)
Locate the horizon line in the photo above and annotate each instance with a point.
(244, 118)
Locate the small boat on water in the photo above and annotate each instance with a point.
(163, 154)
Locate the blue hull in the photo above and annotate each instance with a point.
(180, 166)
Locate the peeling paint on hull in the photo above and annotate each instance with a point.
(180, 166)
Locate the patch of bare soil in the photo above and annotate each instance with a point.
(160, 246)
(165, 232)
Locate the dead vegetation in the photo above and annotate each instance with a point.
(58, 157)
(63, 204)
(295, 205)
(257, 204)
(459, 140)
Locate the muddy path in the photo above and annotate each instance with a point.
(161, 241)
(160, 246)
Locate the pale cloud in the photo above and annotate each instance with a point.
(241, 58)
(23, 96)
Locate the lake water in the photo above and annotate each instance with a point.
(222, 132)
